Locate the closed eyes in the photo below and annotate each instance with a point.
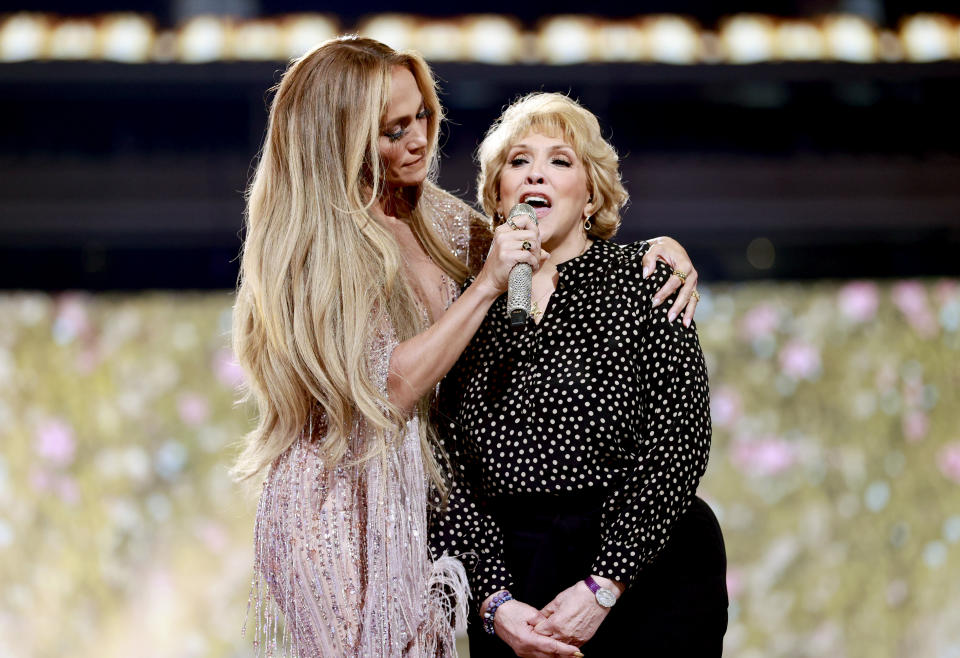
(521, 160)
(399, 133)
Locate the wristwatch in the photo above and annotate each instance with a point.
(605, 597)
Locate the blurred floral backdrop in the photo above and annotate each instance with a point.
(835, 471)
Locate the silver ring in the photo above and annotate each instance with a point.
(526, 246)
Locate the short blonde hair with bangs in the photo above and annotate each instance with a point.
(559, 116)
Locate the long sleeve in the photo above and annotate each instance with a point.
(672, 441)
(462, 528)
(603, 399)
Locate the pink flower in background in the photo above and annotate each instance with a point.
(55, 442)
(800, 360)
(761, 320)
(915, 426)
(911, 298)
(859, 300)
(68, 490)
(40, 479)
(213, 536)
(764, 456)
(87, 360)
(72, 319)
(193, 408)
(949, 461)
(946, 291)
(725, 407)
(227, 370)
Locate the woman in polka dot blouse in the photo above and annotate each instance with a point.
(577, 441)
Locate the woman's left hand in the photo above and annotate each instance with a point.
(670, 252)
(573, 616)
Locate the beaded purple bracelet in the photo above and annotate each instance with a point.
(497, 601)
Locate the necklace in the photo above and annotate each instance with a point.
(535, 307)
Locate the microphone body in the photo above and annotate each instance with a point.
(520, 282)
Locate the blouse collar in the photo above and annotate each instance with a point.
(579, 271)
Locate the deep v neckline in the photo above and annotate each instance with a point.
(443, 286)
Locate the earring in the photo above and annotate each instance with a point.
(587, 224)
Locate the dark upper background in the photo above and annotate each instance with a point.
(120, 176)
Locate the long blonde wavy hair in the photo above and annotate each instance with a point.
(318, 274)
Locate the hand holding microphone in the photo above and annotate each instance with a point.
(520, 281)
(515, 242)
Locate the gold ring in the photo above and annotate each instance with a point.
(695, 294)
(680, 275)
(526, 245)
(512, 224)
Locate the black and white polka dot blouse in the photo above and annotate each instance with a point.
(605, 393)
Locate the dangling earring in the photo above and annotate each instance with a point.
(587, 224)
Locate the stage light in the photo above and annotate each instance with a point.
(566, 40)
(929, 37)
(494, 39)
(799, 41)
(74, 39)
(24, 37)
(440, 41)
(850, 38)
(748, 38)
(126, 38)
(258, 40)
(672, 39)
(395, 30)
(204, 39)
(619, 41)
(301, 32)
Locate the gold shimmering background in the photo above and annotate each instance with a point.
(835, 471)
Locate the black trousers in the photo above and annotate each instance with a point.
(676, 607)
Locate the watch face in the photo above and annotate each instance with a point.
(606, 598)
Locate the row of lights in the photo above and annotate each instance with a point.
(739, 39)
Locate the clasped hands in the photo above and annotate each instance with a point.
(559, 629)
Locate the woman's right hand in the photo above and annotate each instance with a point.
(506, 250)
(514, 623)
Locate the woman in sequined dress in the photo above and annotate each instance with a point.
(346, 317)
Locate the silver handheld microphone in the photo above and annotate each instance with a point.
(521, 277)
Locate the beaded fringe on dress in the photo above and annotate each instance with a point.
(342, 564)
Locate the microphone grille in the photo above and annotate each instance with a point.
(523, 209)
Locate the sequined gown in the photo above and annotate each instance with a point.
(342, 565)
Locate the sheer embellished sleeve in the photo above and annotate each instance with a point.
(465, 231)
